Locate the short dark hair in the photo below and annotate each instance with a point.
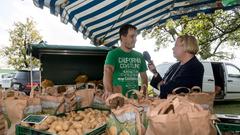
(124, 29)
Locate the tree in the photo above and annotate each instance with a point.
(22, 35)
(213, 31)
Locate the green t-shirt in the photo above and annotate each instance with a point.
(126, 65)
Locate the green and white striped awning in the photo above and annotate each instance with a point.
(100, 20)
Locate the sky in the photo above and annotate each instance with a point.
(57, 33)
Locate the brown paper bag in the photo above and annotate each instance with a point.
(126, 120)
(70, 100)
(19, 106)
(205, 99)
(86, 96)
(52, 104)
(177, 115)
(199, 117)
(3, 122)
(14, 108)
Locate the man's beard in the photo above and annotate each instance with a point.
(130, 46)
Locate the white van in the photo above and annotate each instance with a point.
(225, 75)
(6, 79)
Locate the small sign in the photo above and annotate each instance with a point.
(34, 119)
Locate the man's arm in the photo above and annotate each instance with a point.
(144, 80)
(107, 80)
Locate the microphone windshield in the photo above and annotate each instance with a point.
(146, 56)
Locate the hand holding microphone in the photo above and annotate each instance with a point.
(151, 65)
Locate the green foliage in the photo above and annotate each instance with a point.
(22, 35)
(215, 32)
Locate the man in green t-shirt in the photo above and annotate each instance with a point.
(123, 65)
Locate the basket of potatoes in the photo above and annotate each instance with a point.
(87, 121)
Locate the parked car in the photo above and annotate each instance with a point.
(221, 74)
(22, 80)
(6, 79)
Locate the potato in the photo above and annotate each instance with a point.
(50, 119)
(97, 111)
(87, 110)
(77, 125)
(93, 125)
(37, 127)
(124, 132)
(52, 131)
(65, 126)
(67, 119)
(112, 130)
(79, 118)
(75, 122)
(79, 131)
(62, 133)
(64, 119)
(43, 127)
(44, 123)
(87, 130)
(71, 119)
(80, 112)
(86, 120)
(52, 126)
(84, 125)
(92, 120)
(107, 132)
(73, 114)
(72, 132)
(58, 127)
(89, 114)
(25, 124)
(99, 124)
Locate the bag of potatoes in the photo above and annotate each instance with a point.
(52, 104)
(124, 120)
(81, 79)
(47, 83)
(3, 125)
(19, 106)
(86, 95)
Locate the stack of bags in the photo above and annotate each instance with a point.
(3, 126)
(70, 100)
(190, 114)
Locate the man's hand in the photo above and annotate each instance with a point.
(106, 94)
(107, 80)
(144, 80)
(144, 90)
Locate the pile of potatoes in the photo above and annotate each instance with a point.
(74, 123)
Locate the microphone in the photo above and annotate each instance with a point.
(147, 56)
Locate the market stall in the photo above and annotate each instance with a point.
(71, 77)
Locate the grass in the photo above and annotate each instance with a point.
(227, 107)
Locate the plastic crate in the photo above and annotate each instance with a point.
(229, 124)
(21, 130)
(228, 128)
